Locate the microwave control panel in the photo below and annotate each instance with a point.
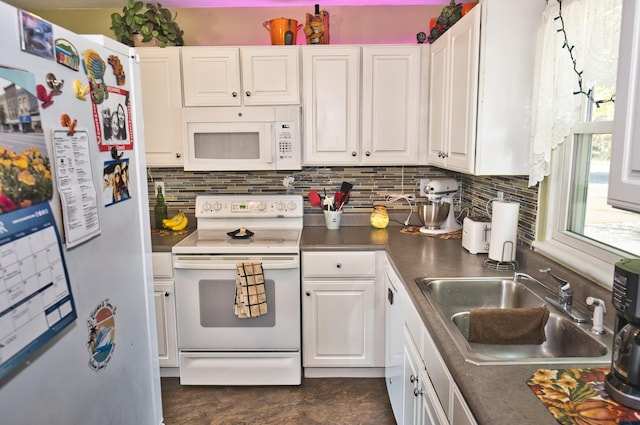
(287, 148)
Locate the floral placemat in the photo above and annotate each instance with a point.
(415, 230)
(577, 396)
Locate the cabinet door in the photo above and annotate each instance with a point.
(438, 102)
(166, 323)
(338, 323)
(390, 104)
(431, 413)
(438, 372)
(461, 413)
(270, 75)
(464, 59)
(161, 105)
(624, 180)
(331, 97)
(211, 76)
(411, 412)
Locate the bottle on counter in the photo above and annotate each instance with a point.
(160, 209)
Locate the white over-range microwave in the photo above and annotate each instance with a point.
(242, 138)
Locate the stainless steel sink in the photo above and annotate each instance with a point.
(567, 341)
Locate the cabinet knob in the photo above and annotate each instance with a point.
(417, 392)
(354, 153)
(178, 155)
(234, 94)
(339, 265)
(167, 293)
(440, 154)
(367, 153)
(308, 293)
(413, 378)
(248, 94)
(445, 155)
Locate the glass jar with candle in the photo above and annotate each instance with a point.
(379, 217)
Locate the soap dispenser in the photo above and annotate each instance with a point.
(598, 312)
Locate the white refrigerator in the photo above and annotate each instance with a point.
(77, 328)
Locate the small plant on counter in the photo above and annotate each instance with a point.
(150, 22)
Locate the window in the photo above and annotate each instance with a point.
(576, 226)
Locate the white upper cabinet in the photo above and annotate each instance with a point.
(331, 98)
(624, 176)
(481, 84)
(362, 104)
(161, 105)
(454, 88)
(390, 104)
(270, 75)
(234, 76)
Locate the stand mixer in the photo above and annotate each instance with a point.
(437, 215)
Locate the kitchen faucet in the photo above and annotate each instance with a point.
(564, 300)
(565, 293)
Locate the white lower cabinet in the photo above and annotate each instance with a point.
(165, 308)
(429, 395)
(431, 412)
(460, 411)
(342, 310)
(394, 340)
(339, 329)
(411, 386)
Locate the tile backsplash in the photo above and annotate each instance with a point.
(371, 185)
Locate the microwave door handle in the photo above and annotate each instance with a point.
(271, 145)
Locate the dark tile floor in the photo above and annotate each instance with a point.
(334, 401)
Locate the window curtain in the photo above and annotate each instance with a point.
(593, 27)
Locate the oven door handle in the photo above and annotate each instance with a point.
(209, 262)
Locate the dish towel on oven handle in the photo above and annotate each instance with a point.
(251, 297)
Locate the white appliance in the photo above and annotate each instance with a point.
(215, 346)
(81, 375)
(440, 191)
(476, 235)
(242, 138)
(394, 341)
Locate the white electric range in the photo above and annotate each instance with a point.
(215, 346)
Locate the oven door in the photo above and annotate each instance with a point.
(205, 294)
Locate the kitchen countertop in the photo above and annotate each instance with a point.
(495, 394)
(164, 240)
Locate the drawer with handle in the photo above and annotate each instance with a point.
(359, 264)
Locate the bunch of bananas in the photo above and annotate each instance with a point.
(177, 222)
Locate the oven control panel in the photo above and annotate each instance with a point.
(249, 206)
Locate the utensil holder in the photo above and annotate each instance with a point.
(332, 219)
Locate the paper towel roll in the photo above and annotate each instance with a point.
(504, 231)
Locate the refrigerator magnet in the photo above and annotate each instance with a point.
(80, 90)
(66, 121)
(36, 35)
(43, 96)
(54, 84)
(66, 54)
(112, 120)
(101, 344)
(118, 70)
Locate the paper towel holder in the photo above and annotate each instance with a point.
(502, 266)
